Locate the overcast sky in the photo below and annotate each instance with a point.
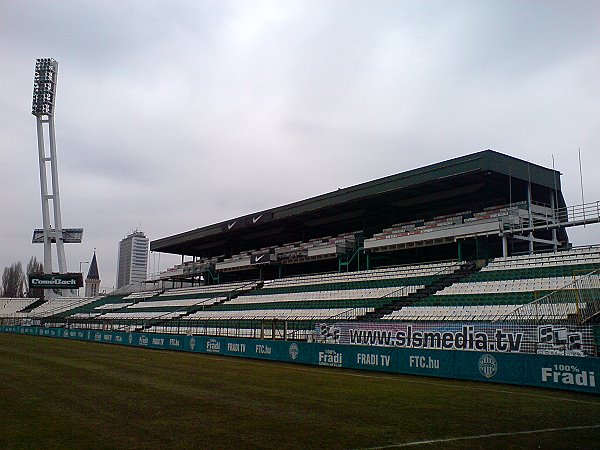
(167, 112)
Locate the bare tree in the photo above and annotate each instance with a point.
(34, 267)
(13, 281)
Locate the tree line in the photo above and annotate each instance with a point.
(14, 280)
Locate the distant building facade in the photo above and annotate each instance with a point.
(132, 265)
(92, 281)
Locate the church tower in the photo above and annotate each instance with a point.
(92, 281)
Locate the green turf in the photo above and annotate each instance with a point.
(66, 394)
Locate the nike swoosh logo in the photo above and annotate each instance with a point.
(258, 258)
(256, 219)
(230, 225)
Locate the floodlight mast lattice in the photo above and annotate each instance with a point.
(44, 93)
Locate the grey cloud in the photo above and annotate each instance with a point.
(166, 111)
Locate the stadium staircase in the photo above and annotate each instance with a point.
(444, 281)
(353, 254)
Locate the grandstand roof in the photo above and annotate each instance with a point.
(481, 177)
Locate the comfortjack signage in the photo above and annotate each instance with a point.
(55, 281)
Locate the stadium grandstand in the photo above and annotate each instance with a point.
(477, 240)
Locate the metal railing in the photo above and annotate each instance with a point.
(576, 215)
(575, 303)
(353, 313)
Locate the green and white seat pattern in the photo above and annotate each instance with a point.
(280, 313)
(326, 296)
(500, 286)
(97, 307)
(475, 312)
(203, 291)
(141, 315)
(60, 305)
(141, 295)
(148, 305)
(366, 276)
(316, 296)
(503, 285)
(9, 307)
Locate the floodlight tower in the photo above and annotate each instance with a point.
(44, 92)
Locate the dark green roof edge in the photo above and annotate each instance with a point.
(474, 162)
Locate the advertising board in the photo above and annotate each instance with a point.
(551, 371)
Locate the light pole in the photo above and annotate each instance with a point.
(44, 91)
(80, 263)
(42, 107)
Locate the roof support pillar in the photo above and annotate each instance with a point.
(530, 216)
(553, 205)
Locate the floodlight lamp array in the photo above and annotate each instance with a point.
(44, 87)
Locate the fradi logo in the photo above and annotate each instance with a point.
(212, 345)
(294, 350)
(566, 374)
(488, 366)
(330, 358)
(193, 343)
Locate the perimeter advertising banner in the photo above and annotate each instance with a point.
(480, 337)
(559, 372)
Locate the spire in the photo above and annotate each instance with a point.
(93, 272)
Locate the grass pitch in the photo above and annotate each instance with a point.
(57, 393)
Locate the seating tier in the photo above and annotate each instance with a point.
(503, 285)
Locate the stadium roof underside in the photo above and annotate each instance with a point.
(472, 182)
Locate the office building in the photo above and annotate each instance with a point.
(132, 264)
